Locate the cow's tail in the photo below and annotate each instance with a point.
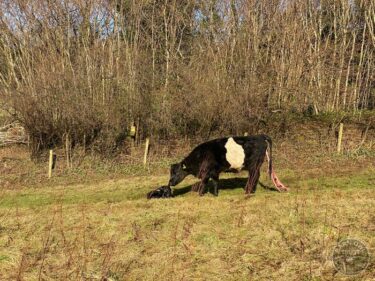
(269, 154)
(278, 184)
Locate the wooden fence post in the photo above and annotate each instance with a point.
(50, 164)
(137, 140)
(146, 151)
(340, 138)
(68, 151)
(132, 136)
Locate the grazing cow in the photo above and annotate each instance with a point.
(161, 192)
(231, 154)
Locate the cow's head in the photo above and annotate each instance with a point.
(178, 173)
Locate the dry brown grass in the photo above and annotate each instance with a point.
(93, 222)
(109, 231)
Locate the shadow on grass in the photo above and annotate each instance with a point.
(232, 183)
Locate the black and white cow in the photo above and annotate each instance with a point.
(232, 154)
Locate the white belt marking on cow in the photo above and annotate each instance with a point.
(235, 154)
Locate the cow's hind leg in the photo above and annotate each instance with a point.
(252, 181)
(256, 180)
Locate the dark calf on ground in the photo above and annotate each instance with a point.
(161, 192)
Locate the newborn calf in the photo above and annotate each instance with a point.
(161, 192)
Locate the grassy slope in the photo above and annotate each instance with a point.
(108, 229)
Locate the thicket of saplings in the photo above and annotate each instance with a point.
(84, 70)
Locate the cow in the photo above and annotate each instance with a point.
(230, 154)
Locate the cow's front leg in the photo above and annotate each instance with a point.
(252, 181)
(195, 187)
(215, 181)
(202, 185)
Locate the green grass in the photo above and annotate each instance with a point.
(135, 188)
(109, 230)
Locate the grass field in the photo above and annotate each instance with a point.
(107, 230)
